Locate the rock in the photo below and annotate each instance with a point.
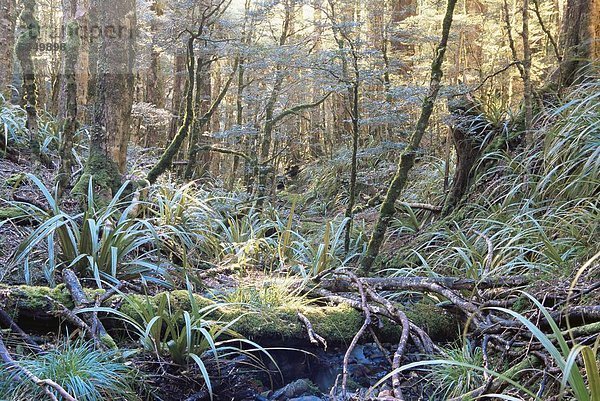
(299, 388)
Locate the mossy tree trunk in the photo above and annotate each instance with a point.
(579, 40)
(407, 159)
(469, 130)
(25, 48)
(70, 123)
(169, 154)
(189, 119)
(114, 92)
(8, 19)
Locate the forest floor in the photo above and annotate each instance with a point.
(510, 280)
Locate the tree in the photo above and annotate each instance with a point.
(209, 14)
(8, 17)
(344, 37)
(407, 158)
(26, 45)
(70, 122)
(579, 40)
(110, 130)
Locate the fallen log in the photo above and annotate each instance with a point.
(31, 307)
(341, 284)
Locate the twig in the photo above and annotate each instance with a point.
(7, 321)
(339, 284)
(490, 251)
(359, 334)
(98, 332)
(399, 354)
(381, 347)
(73, 319)
(312, 335)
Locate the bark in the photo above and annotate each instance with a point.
(407, 159)
(8, 19)
(110, 131)
(468, 132)
(579, 40)
(25, 48)
(70, 123)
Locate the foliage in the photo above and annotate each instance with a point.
(538, 208)
(104, 242)
(449, 381)
(187, 335)
(277, 293)
(12, 124)
(84, 372)
(563, 354)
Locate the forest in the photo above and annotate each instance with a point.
(307, 200)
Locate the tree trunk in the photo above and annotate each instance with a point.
(468, 134)
(407, 159)
(579, 40)
(8, 18)
(202, 105)
(70, 123)
(25, 48)
(114, 95)
(167, 158)
(527, 85)
(154, 80)
(179, 88)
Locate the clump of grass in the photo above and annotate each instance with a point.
(451, 381)
(538, 208)
(84, 372)
(104, 242)
(277, 293)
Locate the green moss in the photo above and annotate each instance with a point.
(15, 180)
(104, 173)
(34, 299)
(337, 324)
(11, 213)
(438, 323)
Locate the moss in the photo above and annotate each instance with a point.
(11, 213)
(337, 324)
(33, 299)
(104, 174)
(438, 323)
(16, 180)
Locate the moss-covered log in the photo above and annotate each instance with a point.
(337, 324)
